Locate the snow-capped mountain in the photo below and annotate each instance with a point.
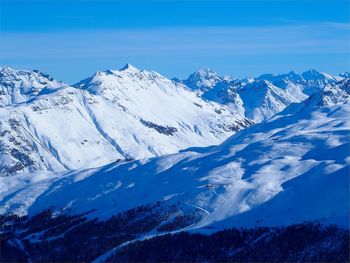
(255, 99)
(18, 86)
(205, 79)
(292, 168)
(131, 114)
(262, 97)
(308, 82)
(286, 171)
(114, 114)
(338, 93)
(344, 75)
(208, 84)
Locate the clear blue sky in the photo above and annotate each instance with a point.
(72, 39)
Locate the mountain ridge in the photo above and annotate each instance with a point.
(74, 180)
(266, 167)
(126, 113)
(111, 115)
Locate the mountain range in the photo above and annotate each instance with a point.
(269, 163)
(128, 155)
(47, 125)
(112, 115)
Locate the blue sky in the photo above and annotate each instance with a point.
(72, 39)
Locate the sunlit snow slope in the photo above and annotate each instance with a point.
(113, 115)
(292, 168)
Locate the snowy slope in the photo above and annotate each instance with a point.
(291, 168)
(125, 114)
(261, 99)
(21, 85)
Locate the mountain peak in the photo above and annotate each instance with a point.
(293, 73)
(312, 74)
(17, 86)
(332, 94)
(129, 68)
(312, 71)
(7, 71)
(5, 68)
(206, 71)
(203, 78)
(344, 75)
(28, 74)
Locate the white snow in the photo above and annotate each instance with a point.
(18, 86)
(291, 168)
(262, 97)
(115, 114)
